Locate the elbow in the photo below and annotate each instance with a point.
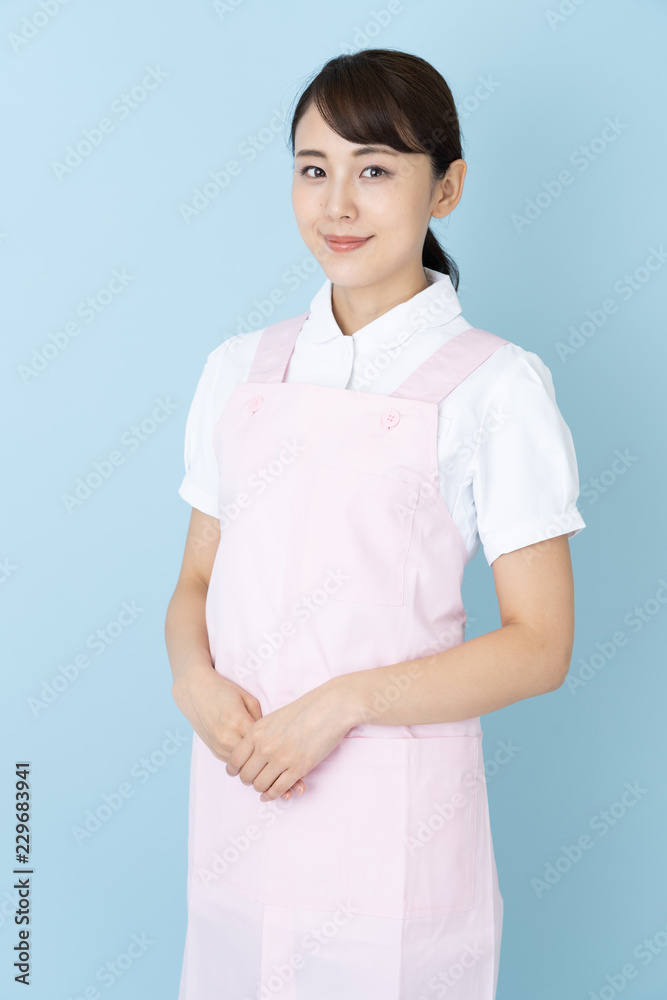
(559, 669)
(168, 617)
(550, 656)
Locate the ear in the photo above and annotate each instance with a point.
(449, 189)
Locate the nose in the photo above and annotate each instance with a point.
(339, 203)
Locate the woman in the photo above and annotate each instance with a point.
(344, 465)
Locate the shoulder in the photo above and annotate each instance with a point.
(512, 389)
(510, 369)
(231, 360)
(235, 354)
(236, 346)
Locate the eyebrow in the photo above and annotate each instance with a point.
(365, 150)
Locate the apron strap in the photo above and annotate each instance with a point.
(447, 367)
(434, 379)
(275, 349)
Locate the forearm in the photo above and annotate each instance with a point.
(185, 632)
(471, 679)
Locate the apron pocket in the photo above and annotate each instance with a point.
(386, 826)
(304, 847)
(357, 536)
(279, 853)
(410, 839)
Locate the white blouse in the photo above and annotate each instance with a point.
(508, 470)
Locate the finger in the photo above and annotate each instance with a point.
(299, 786)
(278, 788)
(253, 709)
(241, 756)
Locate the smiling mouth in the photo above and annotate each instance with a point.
(342, 244)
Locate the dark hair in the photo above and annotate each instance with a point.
(396, 99)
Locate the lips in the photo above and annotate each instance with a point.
(345, 242)
(346, 239)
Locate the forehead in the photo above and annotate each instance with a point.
(313, 138)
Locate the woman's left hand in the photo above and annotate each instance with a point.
(286, 744)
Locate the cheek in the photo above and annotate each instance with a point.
(305, 207)
(403, 218)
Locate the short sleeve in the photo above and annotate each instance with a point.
(524, 471)
(200, 483)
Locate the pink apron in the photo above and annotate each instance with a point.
(337, 553)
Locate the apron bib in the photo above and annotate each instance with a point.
(337, 553)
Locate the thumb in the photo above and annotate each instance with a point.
(253, 707)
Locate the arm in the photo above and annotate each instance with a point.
(186, 635)
(220, 711)
(528, 655)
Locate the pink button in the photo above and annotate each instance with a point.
(255, 403)
(391, 418)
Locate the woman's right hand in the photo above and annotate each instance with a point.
(219, 710)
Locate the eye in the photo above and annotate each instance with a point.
(304, 170)
(381, 169)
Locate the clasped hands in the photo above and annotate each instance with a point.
(280, 748)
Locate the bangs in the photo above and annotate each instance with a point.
(358, 104)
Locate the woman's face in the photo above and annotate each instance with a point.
(343, 189)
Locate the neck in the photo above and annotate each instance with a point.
(356, 307)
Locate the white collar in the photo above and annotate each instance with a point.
(433, 306)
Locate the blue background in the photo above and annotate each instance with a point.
(218, 78)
